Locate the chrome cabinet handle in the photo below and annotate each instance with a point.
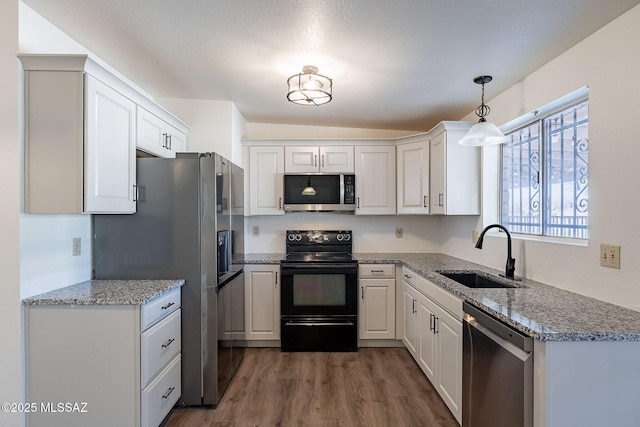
(169, 144)
(135, 192)
(435, 324)
(377, 271)
(430, 321)
(362, 294)
(280, 203)
(322, 161)
(414, 305)
(358, 205)
(440, 201)
(164, 140)
(164, 307)
(168, 343)
(276, 280)
(424, 202)
(315, 160)
(168, 392)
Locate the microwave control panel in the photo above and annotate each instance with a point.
(349, 189)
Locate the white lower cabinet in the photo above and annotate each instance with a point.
(262, 299)
(433, 336)
(376, 314)
(121, 364)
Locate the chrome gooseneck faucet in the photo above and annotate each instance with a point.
(511, 262)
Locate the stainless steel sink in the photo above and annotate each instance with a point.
(475, 280)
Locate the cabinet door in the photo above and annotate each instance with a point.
(262, 297)
(377, 309)
(413, 178)
(177, 141)
(410, 336)
(110, 160)
(449, 383)
(427, 344)
(301, 159)
(338, 159)
(375, 168)
(266, 180)
(150, 132)
(438, 182)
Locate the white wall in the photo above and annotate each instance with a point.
(11, 384)
(370, 233)
(609, 62)
(210, 122)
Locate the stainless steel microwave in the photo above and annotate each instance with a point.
(317, 192)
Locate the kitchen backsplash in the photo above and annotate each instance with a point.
(370, 233)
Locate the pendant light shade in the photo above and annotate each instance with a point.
(483, 133)
(309, 190)
(309, 87)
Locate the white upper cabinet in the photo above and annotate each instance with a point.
(110, 161)
(413, 176)
(455, 171)
(80, 136)
(156, 136)
(266, 181)
(375, 180)
(307, 158)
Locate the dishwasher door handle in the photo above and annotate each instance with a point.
(511, 348)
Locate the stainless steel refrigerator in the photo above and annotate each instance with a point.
(189, 224)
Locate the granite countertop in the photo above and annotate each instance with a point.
(106, 292)
(543, 312)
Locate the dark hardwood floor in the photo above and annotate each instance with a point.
(371, 387)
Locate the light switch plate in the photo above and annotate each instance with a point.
(256, 230)
(610, 256)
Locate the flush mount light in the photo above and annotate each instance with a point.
(309, 87)
(309, 190)
(483, 133)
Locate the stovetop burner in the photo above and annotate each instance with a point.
(319, 246)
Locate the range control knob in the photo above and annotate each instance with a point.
(291, 237)
(339, 237)
(347, 237)
(298, 237)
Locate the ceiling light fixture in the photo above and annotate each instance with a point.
(483, 133)
(309, 190)
(309, 87)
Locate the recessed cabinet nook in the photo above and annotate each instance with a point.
(83, 127)
(428, 173)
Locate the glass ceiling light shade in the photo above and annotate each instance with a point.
(483, 133)
(309, 190)
(309, 87)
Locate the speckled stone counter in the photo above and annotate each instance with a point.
(263, 258)
(541, 311)
(106, 292)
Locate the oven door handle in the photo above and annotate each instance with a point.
(319, 324)
(288, 269)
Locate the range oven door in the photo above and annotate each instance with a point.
(319, 289)
(319, 307)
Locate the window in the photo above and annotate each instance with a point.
(545, 181)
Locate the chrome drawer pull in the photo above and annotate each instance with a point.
(377, 271)
(168, 343)
(165, 307)
(166, 395)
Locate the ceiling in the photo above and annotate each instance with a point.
(396, 64)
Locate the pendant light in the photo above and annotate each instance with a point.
(483, 133)
(309, 190)
(309, 87)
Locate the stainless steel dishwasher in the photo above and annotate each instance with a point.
(497, 380)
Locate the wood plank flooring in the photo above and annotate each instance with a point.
(371, 387)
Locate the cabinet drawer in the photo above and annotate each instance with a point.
(158, 308)
(158, 345)
(160, 396)
(377, 270)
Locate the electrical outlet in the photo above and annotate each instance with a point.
(256, 230)
(474, 237)
(610, 256)
(399, 232)
(76, 243)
